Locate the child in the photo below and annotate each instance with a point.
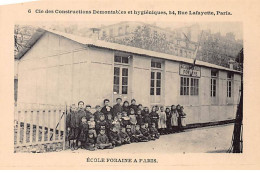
(83, 132)
(103, 141)
(92, 126)
(126, 107)
(133, 120)
(139, 117)
(125, 139)
(140, 107)
(130, 134)
(119, 117)
(116, 123)
(101, 123)
(154, 132)
(168, 120)
(88, 113)
(90, 142)
(146, 116)
(154, 116)
(117, 107)
(109, 122)
(174, 119)
(97, 113)
(73, 126)
(183, 116)
(114, 137)
(162, 121)
(138, 134)
(145, 131)
(125, 119)
(106, 109)
(133, 105)
(145, 111)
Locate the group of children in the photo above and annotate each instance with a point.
(113, 126)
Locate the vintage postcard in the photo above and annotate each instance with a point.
(133, 85)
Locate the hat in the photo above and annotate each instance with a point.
(97, 106)
(88, 106)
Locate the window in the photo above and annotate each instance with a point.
(229, 84)
(189, 86)
(155, 88)
(120, 80)
(194, 87)
(213, 83)
(185, 86)
(156, 64)
(229, 88)
(120, 85)
(121, 59)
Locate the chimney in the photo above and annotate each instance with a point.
(231, 63)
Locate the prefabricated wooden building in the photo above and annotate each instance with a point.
(63, 69)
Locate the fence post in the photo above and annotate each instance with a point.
(65, 130)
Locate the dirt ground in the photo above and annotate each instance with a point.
(216, 139)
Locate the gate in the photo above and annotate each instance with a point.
(39, 128)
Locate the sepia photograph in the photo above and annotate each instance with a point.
(128, 87)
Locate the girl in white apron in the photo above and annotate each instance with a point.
(174, 118)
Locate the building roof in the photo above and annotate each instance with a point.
(119, 47)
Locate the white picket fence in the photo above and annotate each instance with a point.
(39, 128)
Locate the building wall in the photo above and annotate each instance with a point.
(58, 71)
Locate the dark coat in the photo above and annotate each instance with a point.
(81, 113)
(88, 115)
(97, 116)
(73, 120)
(102, 139)
(139, 119)
(135, 107)
(114, 136)
(145, 132)
(105, 110)
(83, 132)
(117, 108)
(126, 109)
(99, 124)
(147, 119)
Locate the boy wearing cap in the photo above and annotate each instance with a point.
(103, 141)
(114, 137)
